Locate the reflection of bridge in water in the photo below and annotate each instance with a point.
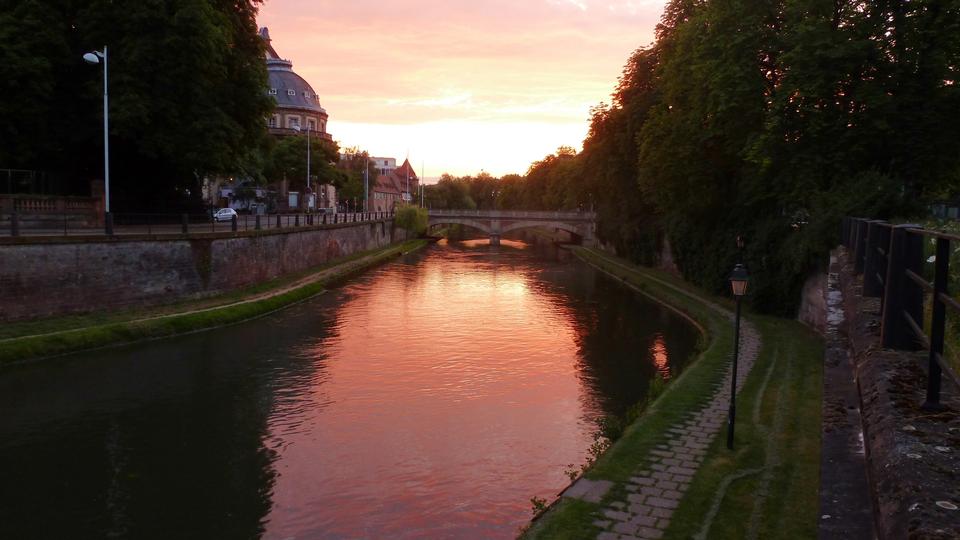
(581, 225)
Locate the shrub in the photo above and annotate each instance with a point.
(412, 219)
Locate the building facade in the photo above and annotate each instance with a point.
(393, 188)
(298, 105)
(383, 164)
(297, 113)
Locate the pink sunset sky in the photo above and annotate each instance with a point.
(460, 86)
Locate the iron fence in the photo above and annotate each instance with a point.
(67, 223)
(891, 258)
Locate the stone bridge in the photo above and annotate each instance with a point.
(581, 225)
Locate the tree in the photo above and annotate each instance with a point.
(412, 218)
(354, 163)
(288, 160)
(187, 85)
(449, 193)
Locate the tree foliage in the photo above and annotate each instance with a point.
(287, 159)
(354, 162)
(187, 87)
(770, 121)
(412, 218)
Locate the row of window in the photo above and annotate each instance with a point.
(273, 92)
(295, 121)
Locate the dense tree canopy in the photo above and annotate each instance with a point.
(287, 160)
(770, 121)
(354, 163)
(187, 93)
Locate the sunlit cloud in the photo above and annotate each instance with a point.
(510, 80)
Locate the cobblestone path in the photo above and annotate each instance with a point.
(655, 490)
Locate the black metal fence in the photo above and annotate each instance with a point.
(68, 224)
(891, 258)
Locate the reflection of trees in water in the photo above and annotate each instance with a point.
(162, 440)
(623, 339)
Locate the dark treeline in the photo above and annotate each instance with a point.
(769, 120)
(188, 99)
(187, 95)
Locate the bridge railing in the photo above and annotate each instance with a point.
(515, 214)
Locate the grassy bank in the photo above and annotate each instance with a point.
(793, 480)
(52, 337)
(768, 486)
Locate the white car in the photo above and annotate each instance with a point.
(225, 214)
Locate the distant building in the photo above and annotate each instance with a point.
(392, 188)
(383, 164)
(298, 105)
(298, 112)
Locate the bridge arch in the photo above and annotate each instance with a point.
(581, 225)
(479, 225)
(576, 231)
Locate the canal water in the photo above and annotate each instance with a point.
(431, 397)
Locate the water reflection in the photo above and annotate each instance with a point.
(429, 398)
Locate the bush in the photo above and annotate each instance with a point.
(412, 219)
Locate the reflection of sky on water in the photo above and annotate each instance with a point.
(431, 397)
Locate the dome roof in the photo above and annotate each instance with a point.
(289, 89)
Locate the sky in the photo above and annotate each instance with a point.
(460, 86)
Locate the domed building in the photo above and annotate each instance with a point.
(298, 105)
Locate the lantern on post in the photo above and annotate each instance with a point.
(739, 280)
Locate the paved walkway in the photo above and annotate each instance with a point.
(655, 490)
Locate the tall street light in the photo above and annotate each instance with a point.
(97, 57)
(738, 282)
(296, 127)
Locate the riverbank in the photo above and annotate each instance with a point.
(766, 488)
(53, 337)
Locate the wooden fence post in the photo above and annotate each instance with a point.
(901, 295)
(872, 286)
(860, 249)
(938, 321)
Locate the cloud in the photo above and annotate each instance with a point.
(458, 63)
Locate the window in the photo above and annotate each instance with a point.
(273, 91)
(291, 92)
(311, 125)
(293, 121)
(272, 122)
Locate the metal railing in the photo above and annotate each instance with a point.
(514, 214)
(68, 224)
(891, 259)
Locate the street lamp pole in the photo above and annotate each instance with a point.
(308, 157)
(97, 57)
(296, 127)
(738, 282)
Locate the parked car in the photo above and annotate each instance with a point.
(225, 214)
(325, 210)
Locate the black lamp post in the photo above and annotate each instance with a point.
(738, 282)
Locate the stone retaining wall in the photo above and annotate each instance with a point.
(69, 276)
